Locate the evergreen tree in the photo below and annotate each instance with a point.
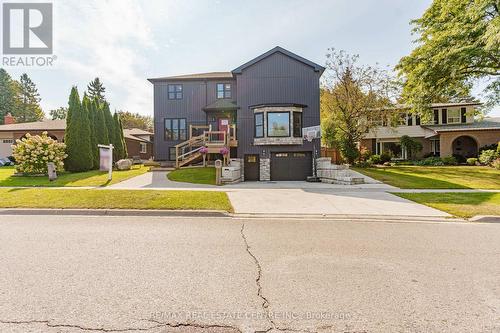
(7, 94)
(87, 106)
(28, 108)
(96, 90)
(101, 129)
(120, 150)
(108, 118)
(77, 137)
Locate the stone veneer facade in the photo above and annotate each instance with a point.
(265, 169)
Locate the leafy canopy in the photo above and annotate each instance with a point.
(352, 96)
(458, 46)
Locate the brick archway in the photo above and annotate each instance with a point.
(465, 146)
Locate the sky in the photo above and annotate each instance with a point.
(124, 42)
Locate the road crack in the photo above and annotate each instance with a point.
(265, 301)
(83, 328)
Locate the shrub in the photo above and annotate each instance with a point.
(364, 164)
(472, 161)
(498, 148)
(385, 157)
(32, 153)
(426, 155)
(430, 161)
(493, 146)
(496, 164)
(375, 159)
(449, 160)
(459, 158)
(488, 156)
(365, 155)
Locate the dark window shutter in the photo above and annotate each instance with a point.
(444, 118)
(463, 115)
(409, 120)
(374, 146)
(417, 119)
(436, 117)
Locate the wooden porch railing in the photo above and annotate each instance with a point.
(188, 150)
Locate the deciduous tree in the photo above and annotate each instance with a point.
(59, 113)
(353, 96)
(136, 120)
(458, 45)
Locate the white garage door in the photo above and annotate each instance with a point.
(5, 149)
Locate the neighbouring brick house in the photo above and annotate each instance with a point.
(257, 111)
(453, 130)
(139, 142)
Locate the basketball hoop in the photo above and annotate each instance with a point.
(310, 135)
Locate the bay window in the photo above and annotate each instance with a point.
(278, 124)
(259, 125)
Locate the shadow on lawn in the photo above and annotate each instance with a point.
(412, 181)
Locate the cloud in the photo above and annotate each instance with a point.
(108, 39)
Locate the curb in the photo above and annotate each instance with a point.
(485, 218)
(353, 217)
(114, 212)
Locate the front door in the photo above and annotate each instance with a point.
(252, 168)
(223, 126)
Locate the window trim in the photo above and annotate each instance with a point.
(141, 146)
(457, 119)
(255, 124)
(267, 122)
(444, 116)
(297, 135)
(170, 154)
(175, 91)
(224, 90)
(436, 117)
(165, 138)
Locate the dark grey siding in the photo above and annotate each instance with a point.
(275, 79)
(196, 95)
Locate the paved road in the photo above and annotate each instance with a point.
(152, 274)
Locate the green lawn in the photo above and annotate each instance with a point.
(89, 178)
(193, 175)
(459, 204)
(421, 177)
(113, 199)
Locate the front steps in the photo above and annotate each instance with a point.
(336, 174)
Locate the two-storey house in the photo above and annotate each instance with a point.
(256, 111)
(452, 130)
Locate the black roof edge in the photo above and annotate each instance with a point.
(317, 68)
(277, 104)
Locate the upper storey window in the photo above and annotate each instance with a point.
(175, 91)
(223, 90)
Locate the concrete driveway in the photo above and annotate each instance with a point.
(326, 202)
(61, 274)
(297, 197)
